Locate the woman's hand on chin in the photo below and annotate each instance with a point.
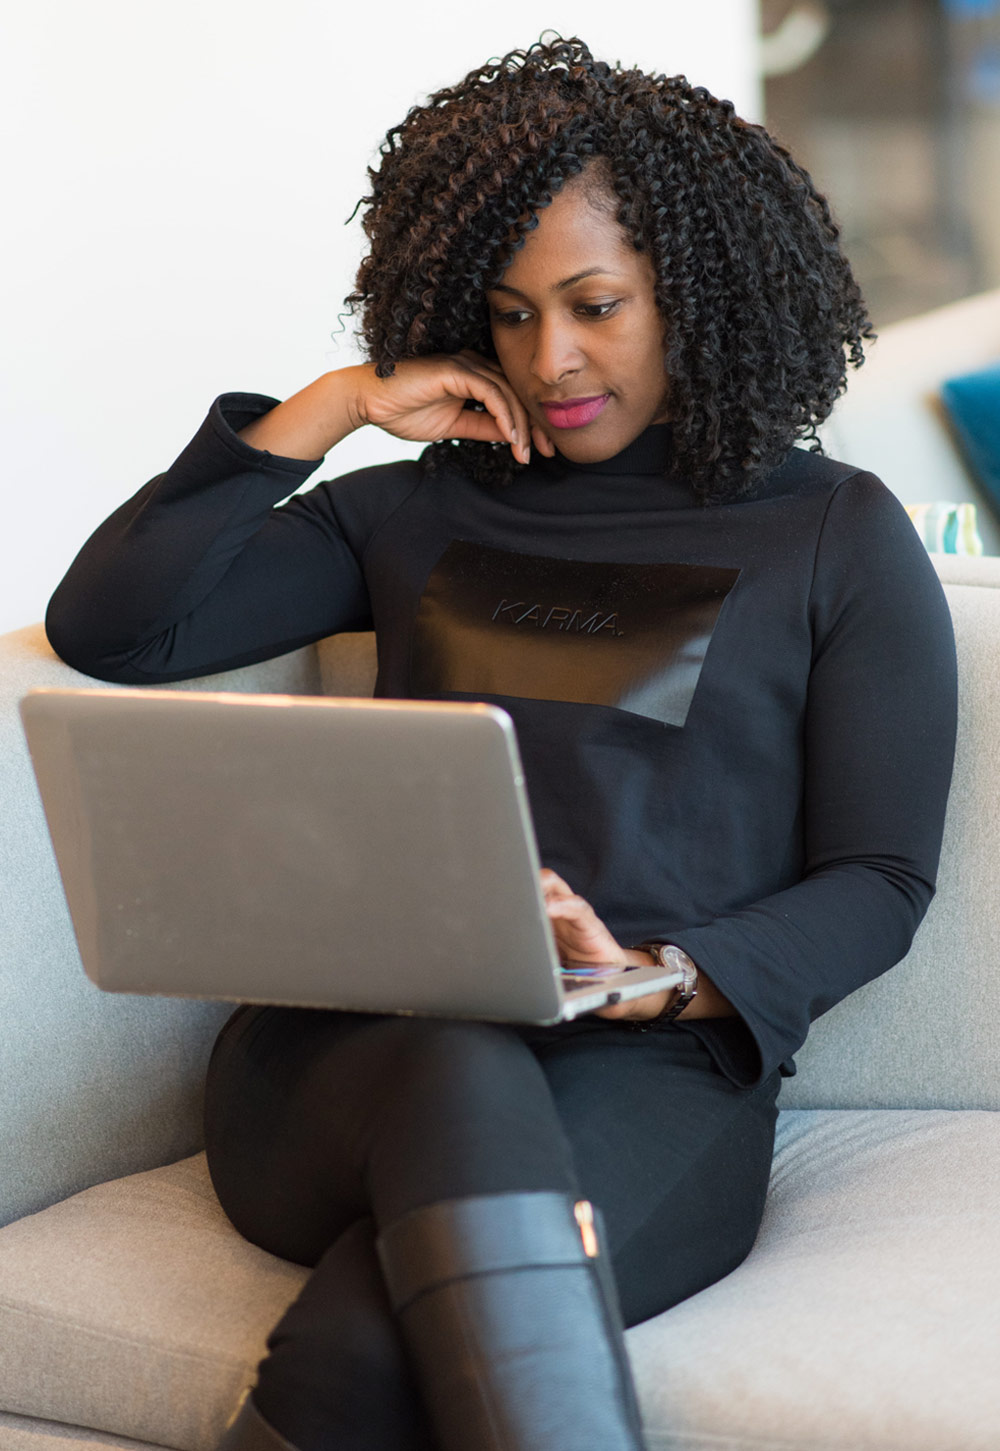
(581, 936)
(425, 400)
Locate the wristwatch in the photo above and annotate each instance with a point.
(665, 954)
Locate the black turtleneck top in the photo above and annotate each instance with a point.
(736, 721)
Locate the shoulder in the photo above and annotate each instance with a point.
(807, 475)
(871, 568)
(864, 548)
(847, 505)
(389, 483)
(362, 500)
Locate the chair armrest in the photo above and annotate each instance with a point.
(975, 569)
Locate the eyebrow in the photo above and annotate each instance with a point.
(558, 286)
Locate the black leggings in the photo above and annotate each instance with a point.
(323, 1127)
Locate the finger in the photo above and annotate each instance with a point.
(643, 1009)
(542, 441)
(615, 1010)
(553, 885)
(568, 904)
(581, 923)
(487, 427)
(477, 382)
(496, 403)
(527, 428)
(570, 907)
(479, 360)
(521, 447)
(481, 427)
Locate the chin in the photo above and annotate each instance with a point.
(580, 452)
(584, 446)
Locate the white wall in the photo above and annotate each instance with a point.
(176, 182)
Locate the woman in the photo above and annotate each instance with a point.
(611, 307)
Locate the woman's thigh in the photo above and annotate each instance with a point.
(314, 1120)
(676, 1157)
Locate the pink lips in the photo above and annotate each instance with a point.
(575, 412)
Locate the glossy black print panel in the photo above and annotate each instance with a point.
(633, 636)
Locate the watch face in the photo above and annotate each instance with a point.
(677, 958)
(667, 955)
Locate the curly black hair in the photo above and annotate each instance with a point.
(762, 311)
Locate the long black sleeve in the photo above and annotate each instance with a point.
(199, 572)
(878, 736)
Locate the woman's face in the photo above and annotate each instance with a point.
(577, 330)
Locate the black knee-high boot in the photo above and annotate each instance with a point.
(510, 1315)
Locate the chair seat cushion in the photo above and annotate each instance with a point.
(21, 1433)
(866, 1318)
(135, 1307)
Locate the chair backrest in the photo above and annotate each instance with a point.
(927, 1034)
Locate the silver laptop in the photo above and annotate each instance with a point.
(375, 856)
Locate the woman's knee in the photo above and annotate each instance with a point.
(708, 1223)
(467, 1110)
(477, 1062)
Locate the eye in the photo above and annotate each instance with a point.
(599, 309)
(512, 318)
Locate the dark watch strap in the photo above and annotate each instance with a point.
(666, 954)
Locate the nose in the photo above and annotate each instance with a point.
(556, 354)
